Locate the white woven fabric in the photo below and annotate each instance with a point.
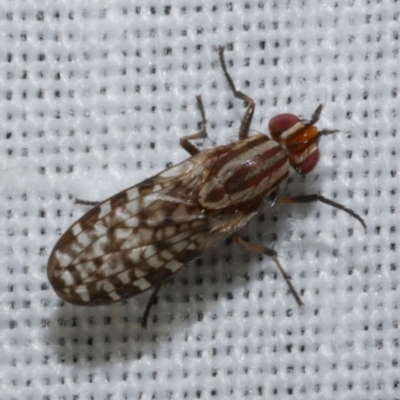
(94, 97)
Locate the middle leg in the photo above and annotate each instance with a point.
(274, 255)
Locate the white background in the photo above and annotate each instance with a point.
(94, 97)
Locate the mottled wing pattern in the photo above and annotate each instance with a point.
(139, 237)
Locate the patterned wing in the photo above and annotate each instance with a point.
(137, 238)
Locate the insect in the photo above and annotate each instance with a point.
(137, 238)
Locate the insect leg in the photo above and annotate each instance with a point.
(150, 303)
(184, 141)
(86, 202)
(274, 255)
(248, 115)
(316, 197)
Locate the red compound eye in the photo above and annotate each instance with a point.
(309, 163)
(282, 123)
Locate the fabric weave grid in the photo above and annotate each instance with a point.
(94, 97)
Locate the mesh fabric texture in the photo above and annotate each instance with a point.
(94, 98)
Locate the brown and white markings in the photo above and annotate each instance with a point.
(136, 239)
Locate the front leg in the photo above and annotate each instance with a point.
(184, 141)
(311, 198)
(248, 115)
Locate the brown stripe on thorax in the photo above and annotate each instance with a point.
(255, 166)
(231, 152)
(252, 203)
(261, 175)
